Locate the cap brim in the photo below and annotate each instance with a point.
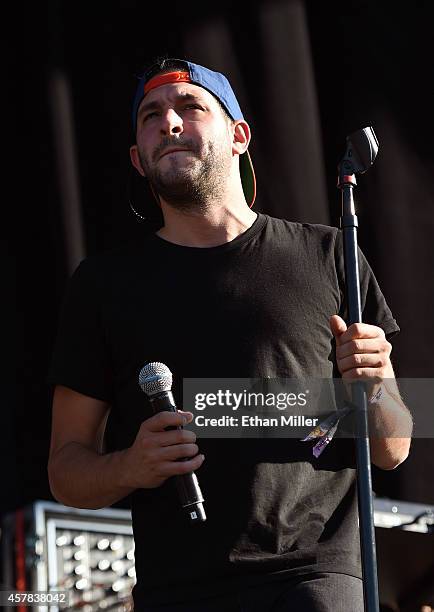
(248, 179)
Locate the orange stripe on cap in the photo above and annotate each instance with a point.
(163, 79)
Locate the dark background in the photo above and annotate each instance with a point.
(306, 74)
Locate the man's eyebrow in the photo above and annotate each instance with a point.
(154, 105)
(147, 107)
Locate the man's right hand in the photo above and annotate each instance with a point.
(83, 477)
(155, 454)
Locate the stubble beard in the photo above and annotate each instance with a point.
(191, 187)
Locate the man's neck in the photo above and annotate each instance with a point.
(211, 228)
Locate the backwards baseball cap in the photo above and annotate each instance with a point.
(214, 82)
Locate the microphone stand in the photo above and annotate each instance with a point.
(362, 147)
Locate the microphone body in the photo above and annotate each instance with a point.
(189, 492)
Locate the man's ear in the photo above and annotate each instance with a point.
(241, 137)
(135, 160)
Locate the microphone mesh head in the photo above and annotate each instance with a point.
(155, 378)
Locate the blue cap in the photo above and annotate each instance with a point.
(218, 85)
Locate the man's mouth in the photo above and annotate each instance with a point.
(174, 150)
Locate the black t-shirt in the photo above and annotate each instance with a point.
(258, 306)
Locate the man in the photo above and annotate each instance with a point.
(218, 291)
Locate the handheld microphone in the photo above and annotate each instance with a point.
(155, 379)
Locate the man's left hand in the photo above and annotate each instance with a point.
(362, 351)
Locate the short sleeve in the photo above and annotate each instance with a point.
(81, 359)
(375, 310)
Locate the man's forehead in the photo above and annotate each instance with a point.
(173, 91)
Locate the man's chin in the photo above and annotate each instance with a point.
(177, 192)
(181, 196)
(177, 181)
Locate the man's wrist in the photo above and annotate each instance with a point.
(120, 471)
(376, 396)
(389, 416)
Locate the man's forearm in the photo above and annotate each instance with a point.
(81, 478)
(390, 426)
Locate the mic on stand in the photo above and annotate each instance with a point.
(362, 149)
(155, 379)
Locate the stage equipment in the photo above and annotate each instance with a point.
(405, 548)
(43, 545)
(89, 553)
(362, 148)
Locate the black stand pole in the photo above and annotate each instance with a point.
(349, 225)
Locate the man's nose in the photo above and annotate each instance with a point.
(171, 122)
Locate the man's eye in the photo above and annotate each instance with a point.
(149, 116)
(193, 106)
